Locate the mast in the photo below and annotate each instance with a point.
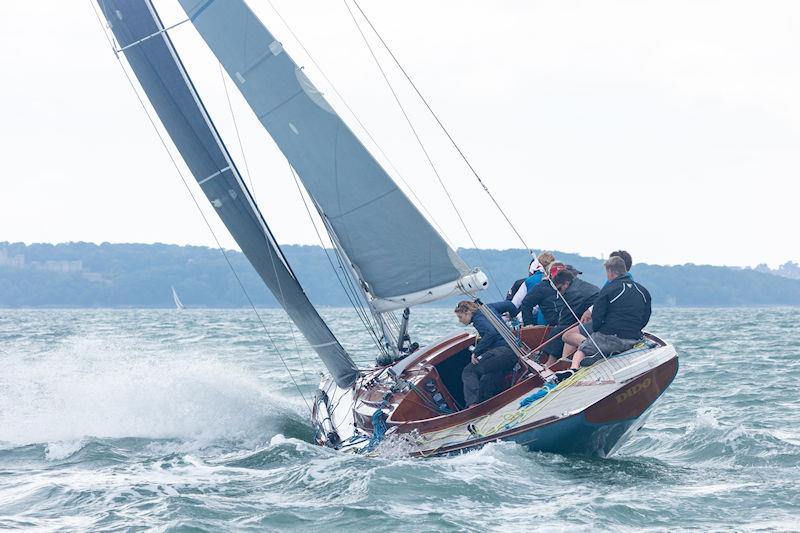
(164, 79)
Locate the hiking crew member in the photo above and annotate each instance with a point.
(545, 297)
(579, 294)
(491, 357)
(587, 316)
(620, 312)
(536, 270)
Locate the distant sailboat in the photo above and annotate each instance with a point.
(391, 256)
(178, 304)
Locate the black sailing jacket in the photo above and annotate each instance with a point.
(580, 295)
(544, 295)
(622, 308)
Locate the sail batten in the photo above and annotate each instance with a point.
(392, 247)
(167, 85)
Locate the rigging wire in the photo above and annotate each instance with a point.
(271, 255)
(361, 124)
(197, 204)
(351, 295)
(342, 259)
(455, 145)
(417, 137)
(441, 125)
(236, 128)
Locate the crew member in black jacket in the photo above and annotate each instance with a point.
(620, 312)
(579, 294)
(545, 297)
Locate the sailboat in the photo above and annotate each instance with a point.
(393, 257)
(178, 304)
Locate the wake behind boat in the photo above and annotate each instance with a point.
(391, 257)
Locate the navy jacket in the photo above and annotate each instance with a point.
(545, 296)
(580, 295)
(490, 338)
(622, 308)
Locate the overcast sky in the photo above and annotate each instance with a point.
(670, 129)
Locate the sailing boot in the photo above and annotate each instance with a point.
(565, 374)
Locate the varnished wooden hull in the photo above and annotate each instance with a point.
(593, 413)
(599, 430)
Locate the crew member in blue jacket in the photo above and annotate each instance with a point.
(491, 357)
(545, 297)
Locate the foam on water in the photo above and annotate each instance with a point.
(111, 419)
(90, 387)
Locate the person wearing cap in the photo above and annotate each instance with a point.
(575, 296)
(575, 271)
(621, 311)
(544, 296)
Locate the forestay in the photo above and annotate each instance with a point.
(168, 87)
(400, 259)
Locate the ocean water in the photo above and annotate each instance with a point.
(164, 420)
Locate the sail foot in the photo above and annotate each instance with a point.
(468, 285)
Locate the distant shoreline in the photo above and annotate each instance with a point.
(141, 276)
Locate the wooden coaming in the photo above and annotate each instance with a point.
(408, 411)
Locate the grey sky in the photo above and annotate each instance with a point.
(671, 128)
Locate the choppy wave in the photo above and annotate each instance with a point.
(111, 419)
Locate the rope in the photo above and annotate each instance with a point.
(525, 413)
(378, 428)
(202, 214)
(441, 125)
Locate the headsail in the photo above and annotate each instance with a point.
(168, 87)
(399, 257)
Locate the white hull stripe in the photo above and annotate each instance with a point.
(214, 175)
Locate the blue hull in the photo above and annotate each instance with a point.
(576, 435)
(600, 429)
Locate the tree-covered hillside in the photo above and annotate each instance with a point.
(140, 275)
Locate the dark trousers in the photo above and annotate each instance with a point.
(555, 347)
(482, 381)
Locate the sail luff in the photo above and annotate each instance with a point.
(167, 85)
(392, 247)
